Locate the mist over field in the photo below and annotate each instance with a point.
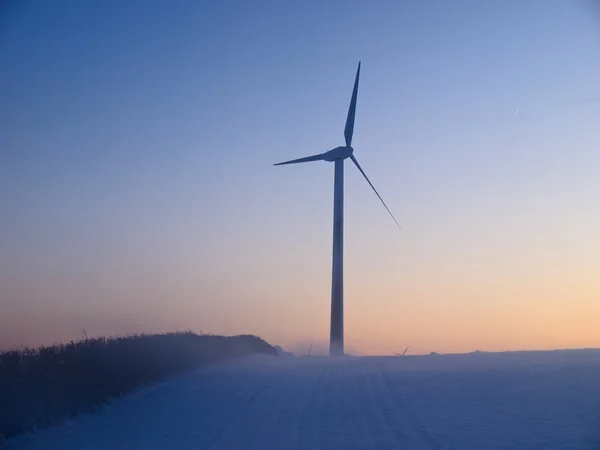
(419, 271)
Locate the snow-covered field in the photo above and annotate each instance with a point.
(529, 400)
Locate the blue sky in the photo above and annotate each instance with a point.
(138, 193)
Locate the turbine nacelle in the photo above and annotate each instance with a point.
(338, 153)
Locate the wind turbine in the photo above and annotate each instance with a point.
(338, 155)
(403, 353)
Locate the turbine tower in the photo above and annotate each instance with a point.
(337, 156)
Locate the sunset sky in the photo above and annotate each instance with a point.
(138, 193)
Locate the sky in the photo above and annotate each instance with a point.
(138, 193)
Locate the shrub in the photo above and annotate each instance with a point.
(41, 387)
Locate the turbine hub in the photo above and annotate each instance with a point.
(338, 153)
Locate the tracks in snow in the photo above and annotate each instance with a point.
(349, 403)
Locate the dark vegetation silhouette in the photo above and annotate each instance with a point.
(43, 386)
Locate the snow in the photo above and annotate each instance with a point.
(524, 400)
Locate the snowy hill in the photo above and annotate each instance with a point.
(520, 400)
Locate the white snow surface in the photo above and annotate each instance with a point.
(521, 400)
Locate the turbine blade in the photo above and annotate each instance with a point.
(371, 184)
(318, 157)
(349, 130)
